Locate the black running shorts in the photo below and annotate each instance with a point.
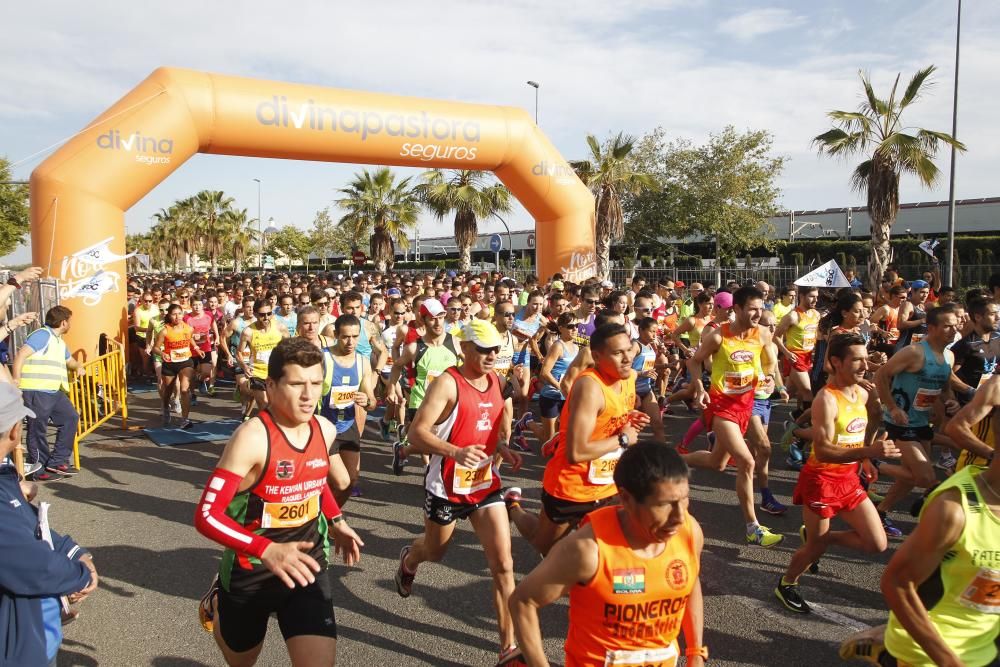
(444, 512)
(567, 511)
(174, 368)
(242, 616)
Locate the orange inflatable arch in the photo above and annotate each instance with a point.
(79, 195)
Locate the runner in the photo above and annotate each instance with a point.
(430, 355)
(646, 355)
(599, 419)
(796, 338)
(526, 354)
(909, 385)
(256, 343)
(286, 313)
(786, 303)
(238, 359)
(735, 351)
(912, 322)
(560, 355)
(269, 504)
(398, 313)
(204, 335)
(370, 342)
(460, 425)
(176, 343)
(347, 390)
(886, 319)
(828, 484)
(768, 383)
(632, 573)
(143, 313)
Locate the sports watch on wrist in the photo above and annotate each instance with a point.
(692, 651)
(623, 440)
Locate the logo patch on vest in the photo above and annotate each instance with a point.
(677, 574)
(629, 581)
(284, 469)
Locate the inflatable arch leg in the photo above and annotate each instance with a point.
(79, 195)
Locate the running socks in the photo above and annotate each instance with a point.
(696, 428)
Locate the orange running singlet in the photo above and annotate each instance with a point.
(177, 343)
(587, 481)
(630, 613)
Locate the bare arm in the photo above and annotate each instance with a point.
(19, 360)
(940, 525)
(910, 359)
(441, 397)
(378, 346)
(959, 428)
(905, 322)
(585, 402)
(572, 560)
(555, 351)
(709, 345)
(693, 623)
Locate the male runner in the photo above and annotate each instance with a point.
(828, 483)
(735, 350)
(233, 334)
(598, 421)
(909, 385)
(768, 383)
(370, 343)
(204, 336)
(912, 317)
(631, 572)
(348, 388)
(269, 504)
(256, 343)
(796, 338)
(142, 315)
(460, 425)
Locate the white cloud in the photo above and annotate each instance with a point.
(757, 22)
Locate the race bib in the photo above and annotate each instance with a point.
(289, 515)
(983, 593)
(893, 335)
(917, 337)
(602, 470)
(648, 364)
(179, 354)
(431, 375)
(809, 338)
(924, 400)
(469, 480)
(342, 398)
(263, 356)
(651, 657)
(737, 382)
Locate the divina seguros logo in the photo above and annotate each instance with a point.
(277, 112)
(149, 150)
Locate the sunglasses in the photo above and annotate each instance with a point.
(592, 302)
(322, 303)
(399, 312)
(487, 350)
(456, 310)
(510, 314)
(642, 308)
(263, 314)
(147, 301)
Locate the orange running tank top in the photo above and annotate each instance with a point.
(630, 613)
(736, 365)
(801, 337)
(848, 431)
(177, 343)
(587, 481)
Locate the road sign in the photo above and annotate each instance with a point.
(531, 240)
(359, 257)
(496, 243)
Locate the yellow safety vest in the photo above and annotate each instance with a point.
(45, 370)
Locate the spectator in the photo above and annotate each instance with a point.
(39, 565)
(40, 369)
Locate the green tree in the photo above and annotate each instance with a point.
(15, 219)
(472, 195)
(291, 242)
(324, 236)
(723, 190)
(209, 208)
(381, 209)
(241, 235)
(609, 176)
(876, 131)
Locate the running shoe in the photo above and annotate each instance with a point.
(187, 425)
(211, 390)
(383, 429)
(356, 491)
(796, 458)
(522, 423)
(165, 414)
(771, 505)
(31, 468)
(789, 596)
(206, 608)
(667, 411)
(46, 476)
(814, 566)
(63, 469)
(194, 398)
(946, 461)
(549, 448)
(203, 387)
(788, 437)
(511, 657)
(890, 528)
(520, 444)
(404, 579)
(683, 449)
(175, 405)
(762, 536)
(867, 645)
(398, 458)
(511, 496)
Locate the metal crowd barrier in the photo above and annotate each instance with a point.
(100, 393)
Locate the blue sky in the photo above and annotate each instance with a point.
(692, 66)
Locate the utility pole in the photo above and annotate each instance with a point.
(950, 271)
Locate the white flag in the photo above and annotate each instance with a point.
(827, 275)
(929, 245)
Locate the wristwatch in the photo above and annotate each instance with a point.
(692, 651)
(623, 440)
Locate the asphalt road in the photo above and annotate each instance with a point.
(132, 506)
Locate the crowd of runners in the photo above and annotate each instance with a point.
(895, 403)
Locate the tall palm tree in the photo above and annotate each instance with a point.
(208, 208)
(609, 175)
(876, 130)
(167, 236)
(472, 195)
(381, 208)
(238, 234)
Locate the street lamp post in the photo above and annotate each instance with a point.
(534, 84)
(260, 233)
(950, 272)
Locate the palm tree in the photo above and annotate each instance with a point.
(208, 208)
(609, 175)
(876, 131)
(472, 195)
(379, 207)
(238, 234)
(167, 236)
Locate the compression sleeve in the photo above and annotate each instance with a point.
(331, 510)
(211, 521)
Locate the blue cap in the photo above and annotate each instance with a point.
(919, 284)
(451, 274)
(178, 283)
(392, 291)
